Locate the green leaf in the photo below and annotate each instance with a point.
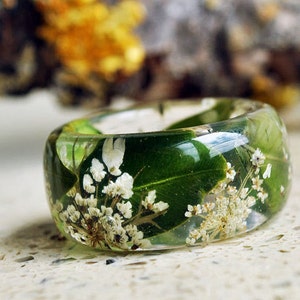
(181, 170)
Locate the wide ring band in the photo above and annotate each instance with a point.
(168, 174)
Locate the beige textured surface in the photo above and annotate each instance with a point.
(35, 265)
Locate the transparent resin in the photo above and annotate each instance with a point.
(167, 175)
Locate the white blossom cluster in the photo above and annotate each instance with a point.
(109, 222)
(226, 214)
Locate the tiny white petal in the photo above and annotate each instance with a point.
(79, 200)
(97, 170)
(106, 211)
(256, 183)
(188, 214)
(125, 208)
(151, 196)
(267, 173)
(94, 212)
(160, 206)
(262, 196)
(92, 202)
(149, 200)
(230, 172)
(112, 154)
(88, 184)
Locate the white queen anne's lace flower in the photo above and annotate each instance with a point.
(149, 200)
(256, 183)
(133, 232)
(258, 158)
(193, 210)
(262, 195)
(112, 155)
(149, 203)
(121, 187)
(230, 172)
(73, 213)
(125, 208)
(229, 206)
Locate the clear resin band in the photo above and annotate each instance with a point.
(166, 175)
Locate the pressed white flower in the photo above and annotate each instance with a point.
(208, 206)
(122, 187)
(80, 236)
(231, 190)
(64, 216)
(72, 192)
(256, 183)
(194, 235)
(74, 215)
(58, 206)
(125, 208)
(88, 184)
(160, 206)
(250, 201)
(267, 173)
(257, 158)
(71, 209)
(190, 241)
(230, 172)
(92, 201)
(244, 193)
(106, 211)
(193, 210)
(112, 155)
(262, 195)
(117, 235)
(149, 200)
(149, 203)
(134, 233)
(80, 201)
(222, 203)
(94, 212)
(97, 170)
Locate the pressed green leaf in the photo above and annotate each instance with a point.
(176, 165)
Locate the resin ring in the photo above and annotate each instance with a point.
(165, 175)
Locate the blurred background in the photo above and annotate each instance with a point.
(91, 52)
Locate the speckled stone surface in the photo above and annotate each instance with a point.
(36, 264)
